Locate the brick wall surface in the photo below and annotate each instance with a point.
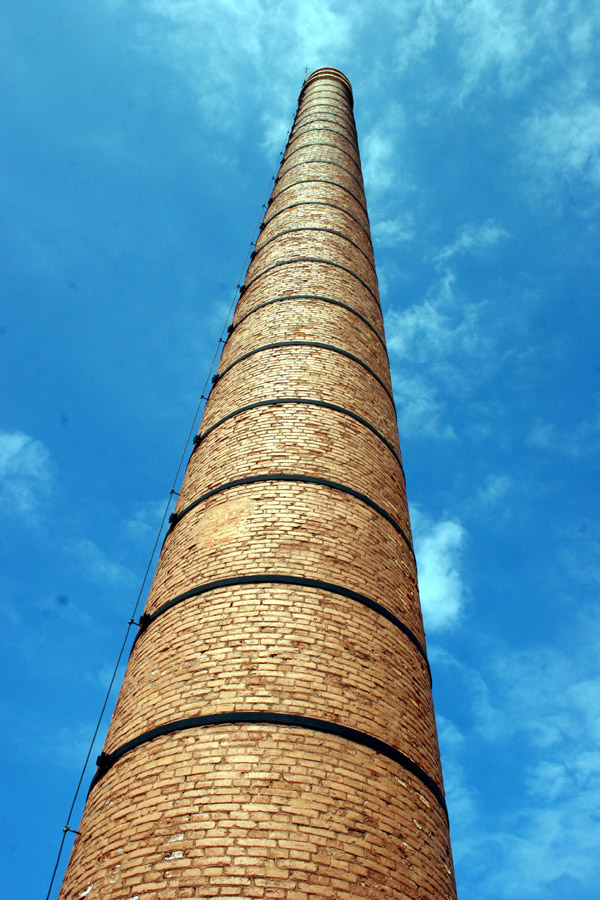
(286, 586)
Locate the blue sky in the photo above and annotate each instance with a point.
(142, 137)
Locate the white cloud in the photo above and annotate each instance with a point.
(504, 39)
(562, 143)
(542, 435)
(546, 702)
(26, 474)
(438, 547)
(97, 565)
(460, 795)
(556, 712)
(488, 720)
(504, 44)
(472, 237)
(438, 350)
(495, 34)
(230, 50)
(390, 232)
(420, 408)
(574, 441)
(142, 527)
(321, 29)
(275, 128)
(428, 333)
(382, 162)
(515, 42)
(378, 161)
(418, 23)
(495, 489)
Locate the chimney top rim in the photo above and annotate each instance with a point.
(327, 72)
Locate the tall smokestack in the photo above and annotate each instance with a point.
(274, 736)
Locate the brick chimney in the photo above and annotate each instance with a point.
(274, 736)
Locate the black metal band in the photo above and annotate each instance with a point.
(240, 580)
(277, 344)
(351, 140)
(294, 135)
(299, 124)
(330, 89)
(254, 309)
(320, 144)
(304, 98)
(321, 83)
(306, 402)
(329, 106)
(331, 110)
(320, 181)
(347, 123)
(288, 478)
(254, 717)
(301, 259)
(315, 203)
(314, 228)
(322, 162)
(329, 83)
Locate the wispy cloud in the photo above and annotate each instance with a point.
(421, 408)
(224, 49)
(494, 36)
(433, 345)
(495, 40)
(275, 129)
(547, 702)
(472, 238)
(416, 27)
(575, 442)
(506, 39)
(97, 565)
(26, 475)
(555, 707)
(321, 28)
(383, 163)
(562, 143)
(439, 547)
(143, 525)
(495, 489)
(390, 232)
(542, 435)
(429, 332)
(460, 796)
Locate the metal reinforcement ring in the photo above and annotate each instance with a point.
(255, 717)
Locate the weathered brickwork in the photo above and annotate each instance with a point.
(321, 190)
(322, 244)
(326, 324)
(314, 278)
(291, 528)
(267, 813)
(304, 372)
(286, 587)
(239, 663)
(316, 215)
(303, 150)
(243, 446)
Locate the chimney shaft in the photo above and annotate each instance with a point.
(274, 736)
